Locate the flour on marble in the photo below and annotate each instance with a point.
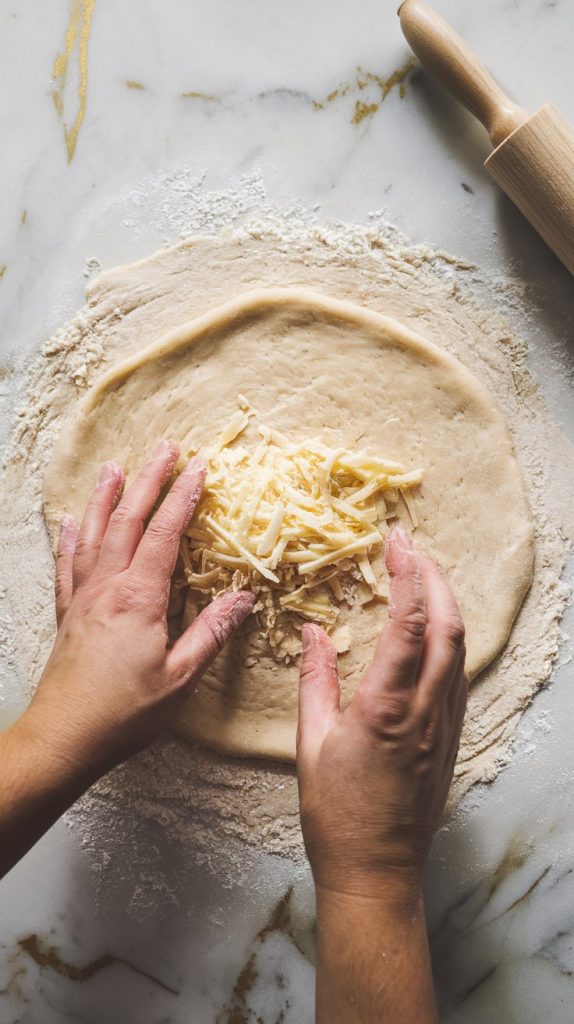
(218, 809)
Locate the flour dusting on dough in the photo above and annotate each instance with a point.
(322, 367)
(209, 803)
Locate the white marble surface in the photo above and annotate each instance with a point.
(500, 883)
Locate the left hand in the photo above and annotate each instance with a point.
(111, 685)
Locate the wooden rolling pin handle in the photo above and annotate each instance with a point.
(450, 60)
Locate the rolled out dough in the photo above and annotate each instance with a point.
(313, 365)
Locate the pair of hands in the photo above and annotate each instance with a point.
(373, 779)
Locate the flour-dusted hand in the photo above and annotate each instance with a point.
(374, 780)
(373, 783)
(111, 684)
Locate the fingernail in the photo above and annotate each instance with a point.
(310, 632)
(195, 465)
(109, 471)
(119, 491)
(306, 636)
(162, 449)
(167, 450)
(398, 551)
(68, 533)
(242, 606)
(399, 533)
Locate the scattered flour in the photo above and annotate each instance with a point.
(219, 808)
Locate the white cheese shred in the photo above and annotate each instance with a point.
(297, 522)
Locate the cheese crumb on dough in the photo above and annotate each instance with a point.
(294, 521)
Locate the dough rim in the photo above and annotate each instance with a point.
(255, 304)
(258, 302)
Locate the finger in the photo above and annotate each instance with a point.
(457, 704)
(444, 637)
(155, 558)
(459, 685)
(319, 691)
(398, 653)
(95, 520)
(64, 566)
(127, 523)
(205, 638)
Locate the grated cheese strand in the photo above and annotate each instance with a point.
(271, 536)
(276, 513)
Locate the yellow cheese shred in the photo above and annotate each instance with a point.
(294, 520)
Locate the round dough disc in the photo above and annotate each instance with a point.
(312, 365)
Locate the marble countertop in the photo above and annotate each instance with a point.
(104, 107)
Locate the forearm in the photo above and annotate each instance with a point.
(373, 962)
(36, 787)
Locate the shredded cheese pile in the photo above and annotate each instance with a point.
(295, 522)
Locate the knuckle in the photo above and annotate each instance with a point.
(165, 527)
(388, 715)
(96, 502)
(424, 765)
(83, 547)
(214, 632)
(122, 516)
(411, 624)
(208, 644)
(125, 595)
(310, 671)
(454, 632)
(149, 470)
(426, 754)
(430, 737)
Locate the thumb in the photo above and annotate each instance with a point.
(318, 692)
(207, 635)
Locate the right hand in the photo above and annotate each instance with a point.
(374, 779)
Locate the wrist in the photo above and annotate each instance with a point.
(38, 738)
(36, 788)
(386, 893)
(372, 954)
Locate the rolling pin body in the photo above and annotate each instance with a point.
(534, 156)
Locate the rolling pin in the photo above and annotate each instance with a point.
(533, 158)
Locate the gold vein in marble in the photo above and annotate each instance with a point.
(48, 956)
(207, 96)
(374, 89)
(3, 269)
(238, 1010)
(134, 85)
(75, 47)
